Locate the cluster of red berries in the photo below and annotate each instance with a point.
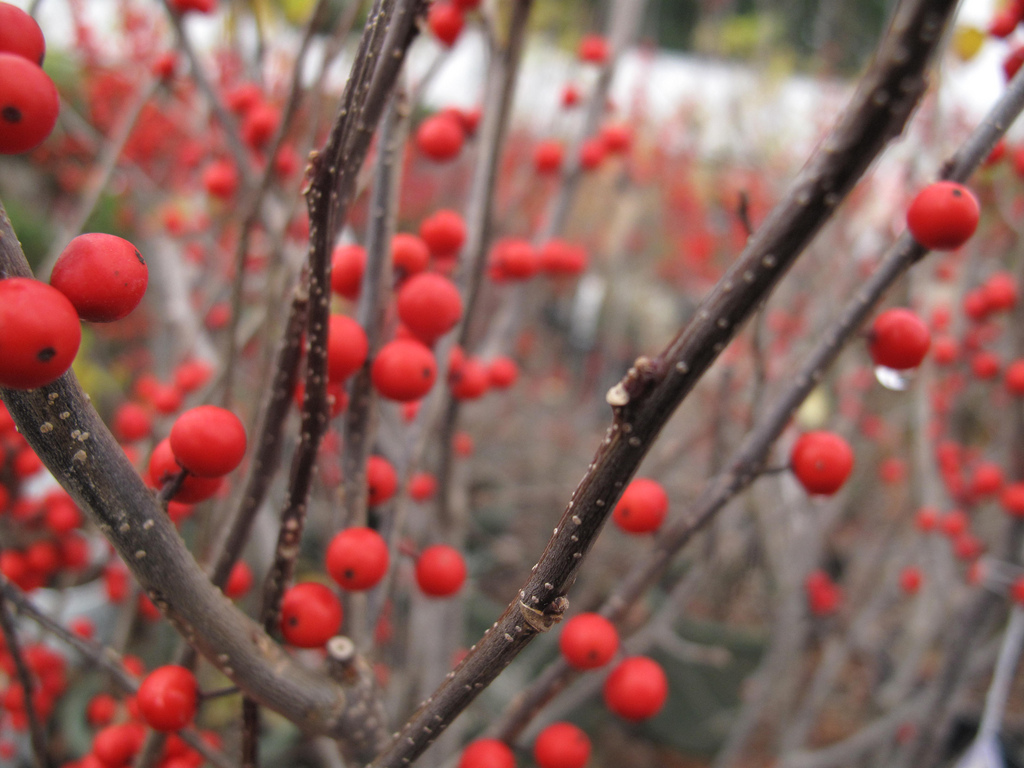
(98, 278)
(29, 103)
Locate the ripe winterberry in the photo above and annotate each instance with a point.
(911, 579)
(429, 305)
(440, 137)
(445, 22)
(444, 232)
(104, 276)
(588, 641)
(404, 370)
(39, 333)
(168, 698)
(381, 480)
(898, 339)
(440, 570)
(502, 372)
(561, 745)
(20, 34)
(422, 486)
(593, 49)
(29, 104)
(208, 441)
(642, 507)
(943, 216)
(547, 156)
(636, 689)
(220, 179)
(487, 753)
(357, 558)
(348, 262)
(347, 347)
(409, 253)
(239, 580)
(310, 615)
(821, 462)
(163, 467)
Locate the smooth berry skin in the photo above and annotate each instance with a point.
(429, 305)
(636, 689)
(348, 262)
(898, 339)
(168, 698)
(445, 21)
(163, 467)
(404, 370)
(440, 137)
(29, 105)
(588, 641)
(409, 254)
(208, 441)
(104, 276)
(444, 233)
(381, 480)
(642, 507)
(20, 34)
(561, 745)
(310, 615)
(357, 558)
(440, 570)
(347, 347)
(943, 216)
(487, 753)
(39, 333)
(821, 462)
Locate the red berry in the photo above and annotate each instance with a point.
(445, 21)
(898, 339)
(429, 305)
(220, 179)
(470, 380)
(547, 156)
(103, 276)
(29, 104)
(561, 745)
(1013, 378)
(502, 372)
(347, 347)
(132, 422)
(821, 462)
(1001, 291)
(617, 137)
(514, 259)
(310, 615)
(642, 508)
(1012, 499)
(20, 34)
(208, 441)
(39, 333)
(440, 570)
(943, 216)
(592, 153)
(823, 595)
(636, 689)
(562, 259)
(404, 370)
(260, 124)
(163, 467)
(239, 580)
(985, 365)
(1017, 590)
(116, 745)
(409, 253)
(357, 558)
(382, 480)
(440, 137)
(192, 375)
(168, 698)
(593, 49)
(422, 486)
(487, 753)
(588, 641)
(348, 262)
(911, 579)
(444, 233)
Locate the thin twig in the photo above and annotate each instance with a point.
(37, 732)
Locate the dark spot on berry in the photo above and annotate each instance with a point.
(46, 354)
(139, 257)
(426, 372)
(957, 193)
(349, 573)
(293, 621)
(11, 114)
